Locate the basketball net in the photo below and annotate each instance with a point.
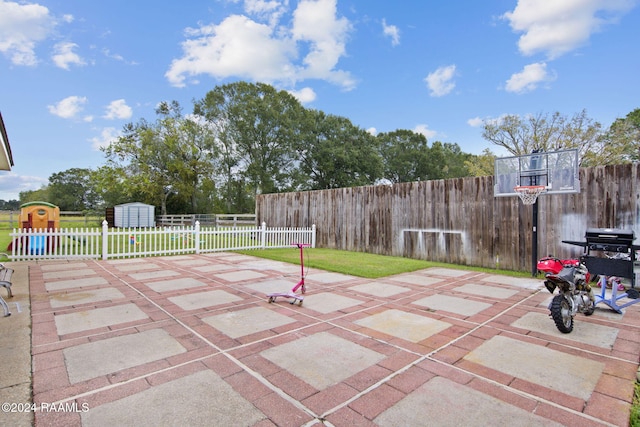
(529, 193)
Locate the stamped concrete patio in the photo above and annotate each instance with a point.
(192, 340)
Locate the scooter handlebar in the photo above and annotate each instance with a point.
(301, 245)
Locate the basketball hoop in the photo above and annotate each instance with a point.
(529, 193)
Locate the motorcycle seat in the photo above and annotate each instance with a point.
(567, 274)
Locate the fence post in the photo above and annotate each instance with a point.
(105, 239)
(313, 236)
(263, 237)
(196, 237)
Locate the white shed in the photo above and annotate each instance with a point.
(134, 215)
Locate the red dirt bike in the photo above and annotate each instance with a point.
(572, 278)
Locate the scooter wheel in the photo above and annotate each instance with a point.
(561, 314)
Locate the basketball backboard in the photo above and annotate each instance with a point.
(556, 170)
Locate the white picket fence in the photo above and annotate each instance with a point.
(106, 243)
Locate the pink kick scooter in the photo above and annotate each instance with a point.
(300, 285)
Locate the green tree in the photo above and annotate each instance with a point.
(192, 149)
(40, 195)
(522, 135)
(333, 153)
(72, 190)
(167, 158)
(215, 109)
(481, 165)
(10, 205)
(619, 144)
(446, 160)
(111, 183)
(256, 127)
(405, 155)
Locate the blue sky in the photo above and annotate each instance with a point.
(74, 73)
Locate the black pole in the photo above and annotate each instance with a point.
(534, 240)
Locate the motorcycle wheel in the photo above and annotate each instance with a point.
(561, 314)
(590, 311)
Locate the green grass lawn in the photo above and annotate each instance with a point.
(360, 264)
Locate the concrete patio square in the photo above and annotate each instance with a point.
(98, 318)
(95, 359)
(175, 284)
(328, 359)
(204, 299)
(239, 323)
(63, 299)
(409, 326)
(463, 306)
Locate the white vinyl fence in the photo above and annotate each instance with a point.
(106, 243)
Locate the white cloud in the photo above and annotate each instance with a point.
(424, 130)
(475, 122)
(271, 11)
(69, 107)
(262, 50)
(304, 95)
(315, 22)
(22, 26)
(108, 54)
(64, 56)
(440, 82)
(116, 56)
(118, 109)
(106, 137)
(558, 27)
(237, 47)
(373, 131)
(391, 31)
(529, 78)
(11, 185)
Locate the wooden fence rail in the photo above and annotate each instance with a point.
(459, 220)
(215, 220)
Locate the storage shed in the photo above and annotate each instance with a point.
(134, 215)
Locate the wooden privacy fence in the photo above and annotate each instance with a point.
(106, 243)
(459, 220)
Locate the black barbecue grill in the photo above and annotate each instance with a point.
(609, 240)
(619, 257)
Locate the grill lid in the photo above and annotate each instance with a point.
(610, 239)
(615, 236)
